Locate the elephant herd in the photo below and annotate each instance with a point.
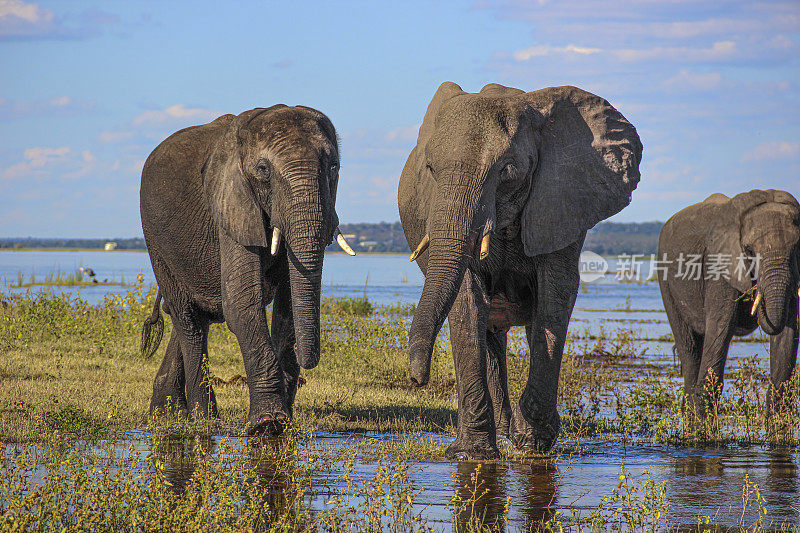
(495, 200)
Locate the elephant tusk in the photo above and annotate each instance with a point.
(343, 243)
(276, 241)
(485, 246)
(421, 248)
(756, 302)
(798, 292)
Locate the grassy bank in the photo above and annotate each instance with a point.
(71, 379)
(75, 367)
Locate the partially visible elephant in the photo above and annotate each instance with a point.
(747, 247)
(216, 200)
(496, 199)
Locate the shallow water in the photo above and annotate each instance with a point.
(699, 481)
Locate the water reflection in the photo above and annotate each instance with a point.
(487, 493)
(179, 456)
(271, 459)
(711, 483)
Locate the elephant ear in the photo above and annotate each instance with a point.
(588, 166)
(726, 234)
(227, 191)
(417, 186)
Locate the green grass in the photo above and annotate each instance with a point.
(75, 367)
(71, 377)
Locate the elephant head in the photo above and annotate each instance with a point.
(759, 231)
(542, 167)
(274, 172)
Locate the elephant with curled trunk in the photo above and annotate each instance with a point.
(496, 199)
(236, 214)
(747, 249)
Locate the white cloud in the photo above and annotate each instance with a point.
(408, 133)
(39, 156)
(61, 101)
(720, 50)
(174, 113)
(772, 150)
(684, 80)
(35, 159)
(63, 104)
(110, 137)
(21, 20)
(31, 13)
(545, 49)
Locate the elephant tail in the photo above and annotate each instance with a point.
(151, 338)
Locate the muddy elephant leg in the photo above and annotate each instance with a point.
(782, 359)
(719, 326)
(168, 387)
(191, 327)
(244, 306)
(497, 379)
(536, 424)
(283, 340)
(476, 438)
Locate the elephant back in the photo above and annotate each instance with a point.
(174, 215)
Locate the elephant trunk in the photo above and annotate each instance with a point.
(774, 283)
(308, 231)
(447, 261)
(452, 242)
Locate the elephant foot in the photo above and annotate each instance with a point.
(268, 425)
(534, 438)
(460, 450)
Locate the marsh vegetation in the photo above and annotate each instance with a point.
(81, 452)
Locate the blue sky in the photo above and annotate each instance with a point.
(88, 89)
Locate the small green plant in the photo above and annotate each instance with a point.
(346, 306)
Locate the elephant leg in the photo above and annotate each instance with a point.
(782, 359)
(535, 426)
(168, 387)
(283, 339)
(476, 438)
(191, 327)
(244, 306)
(719, 325)
(497, 379)
(688, 344)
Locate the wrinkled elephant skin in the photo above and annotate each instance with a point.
(748, 248)
(236, 214)
(496, 199)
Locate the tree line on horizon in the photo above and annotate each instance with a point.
(607, 238)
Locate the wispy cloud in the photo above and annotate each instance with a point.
(685, 80)
(408, 133)
(174, 114)
(772, 151)
(35, 159)
(63, 104)
(21, 20)
(544, 50)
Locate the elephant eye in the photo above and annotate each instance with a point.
(262, 168)
(509, 172)
(333, 167)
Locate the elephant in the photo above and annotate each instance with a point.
(495, 200)
(746, 249)
(216, 202)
